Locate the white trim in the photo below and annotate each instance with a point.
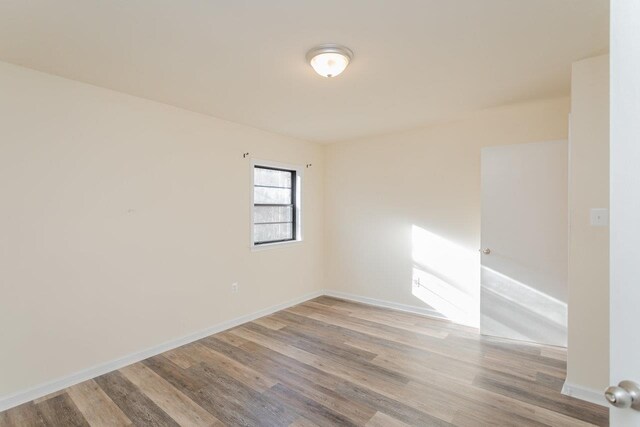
(41, 390)
(583, 393)
(7, 402)
(277, 245)
(386, 304)
(298, 212)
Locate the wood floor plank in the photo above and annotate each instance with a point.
(385, 319)
(356, 412)
(397, 409)
(380, 419)
(314, 411)
(96, 407)
(254, 406)
(181, 379)
(303, 422)
(394, 337)
(313, 374)
(475, 419)
(203, 392)
(25, 415)
(49, 396)
(241, 372)
(230, 412)
(330, 342)
(329, 362)
(555, 353)
(472, 400)
(180, 357)
(61, 411)
(430, 322)
(285, 369)
(136, 405)
(179, 407)
(269, 322)
(364, 377)
(330, 353)
(527, 392)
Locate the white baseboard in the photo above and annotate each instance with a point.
(584, 393)
(41, 390)
(386, 304)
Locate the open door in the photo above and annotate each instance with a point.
(524, 235)
(624, 369)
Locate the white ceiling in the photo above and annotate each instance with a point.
(416, 61)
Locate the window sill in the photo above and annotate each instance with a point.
(277, 245)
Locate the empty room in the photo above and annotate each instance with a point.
(299, 213)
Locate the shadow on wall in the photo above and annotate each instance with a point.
(445, 277)
(515, 310)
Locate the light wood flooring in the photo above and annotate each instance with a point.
(328, 362)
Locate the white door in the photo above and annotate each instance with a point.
(625, 204)
(524, 242)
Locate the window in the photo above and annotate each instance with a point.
(275, 205)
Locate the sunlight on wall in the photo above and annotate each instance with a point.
(513, 309)
(446, 277)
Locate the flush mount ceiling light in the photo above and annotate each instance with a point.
(329, 60)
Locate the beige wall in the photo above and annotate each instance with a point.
(588, 356)
(124, 223)
(384, 195)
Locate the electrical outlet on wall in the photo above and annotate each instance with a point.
(234, 288)
(599, 217)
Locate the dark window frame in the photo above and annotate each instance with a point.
(294, 205)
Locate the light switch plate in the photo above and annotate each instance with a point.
(599, 217)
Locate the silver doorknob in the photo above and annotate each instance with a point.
(624, 395)
(486, 251)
